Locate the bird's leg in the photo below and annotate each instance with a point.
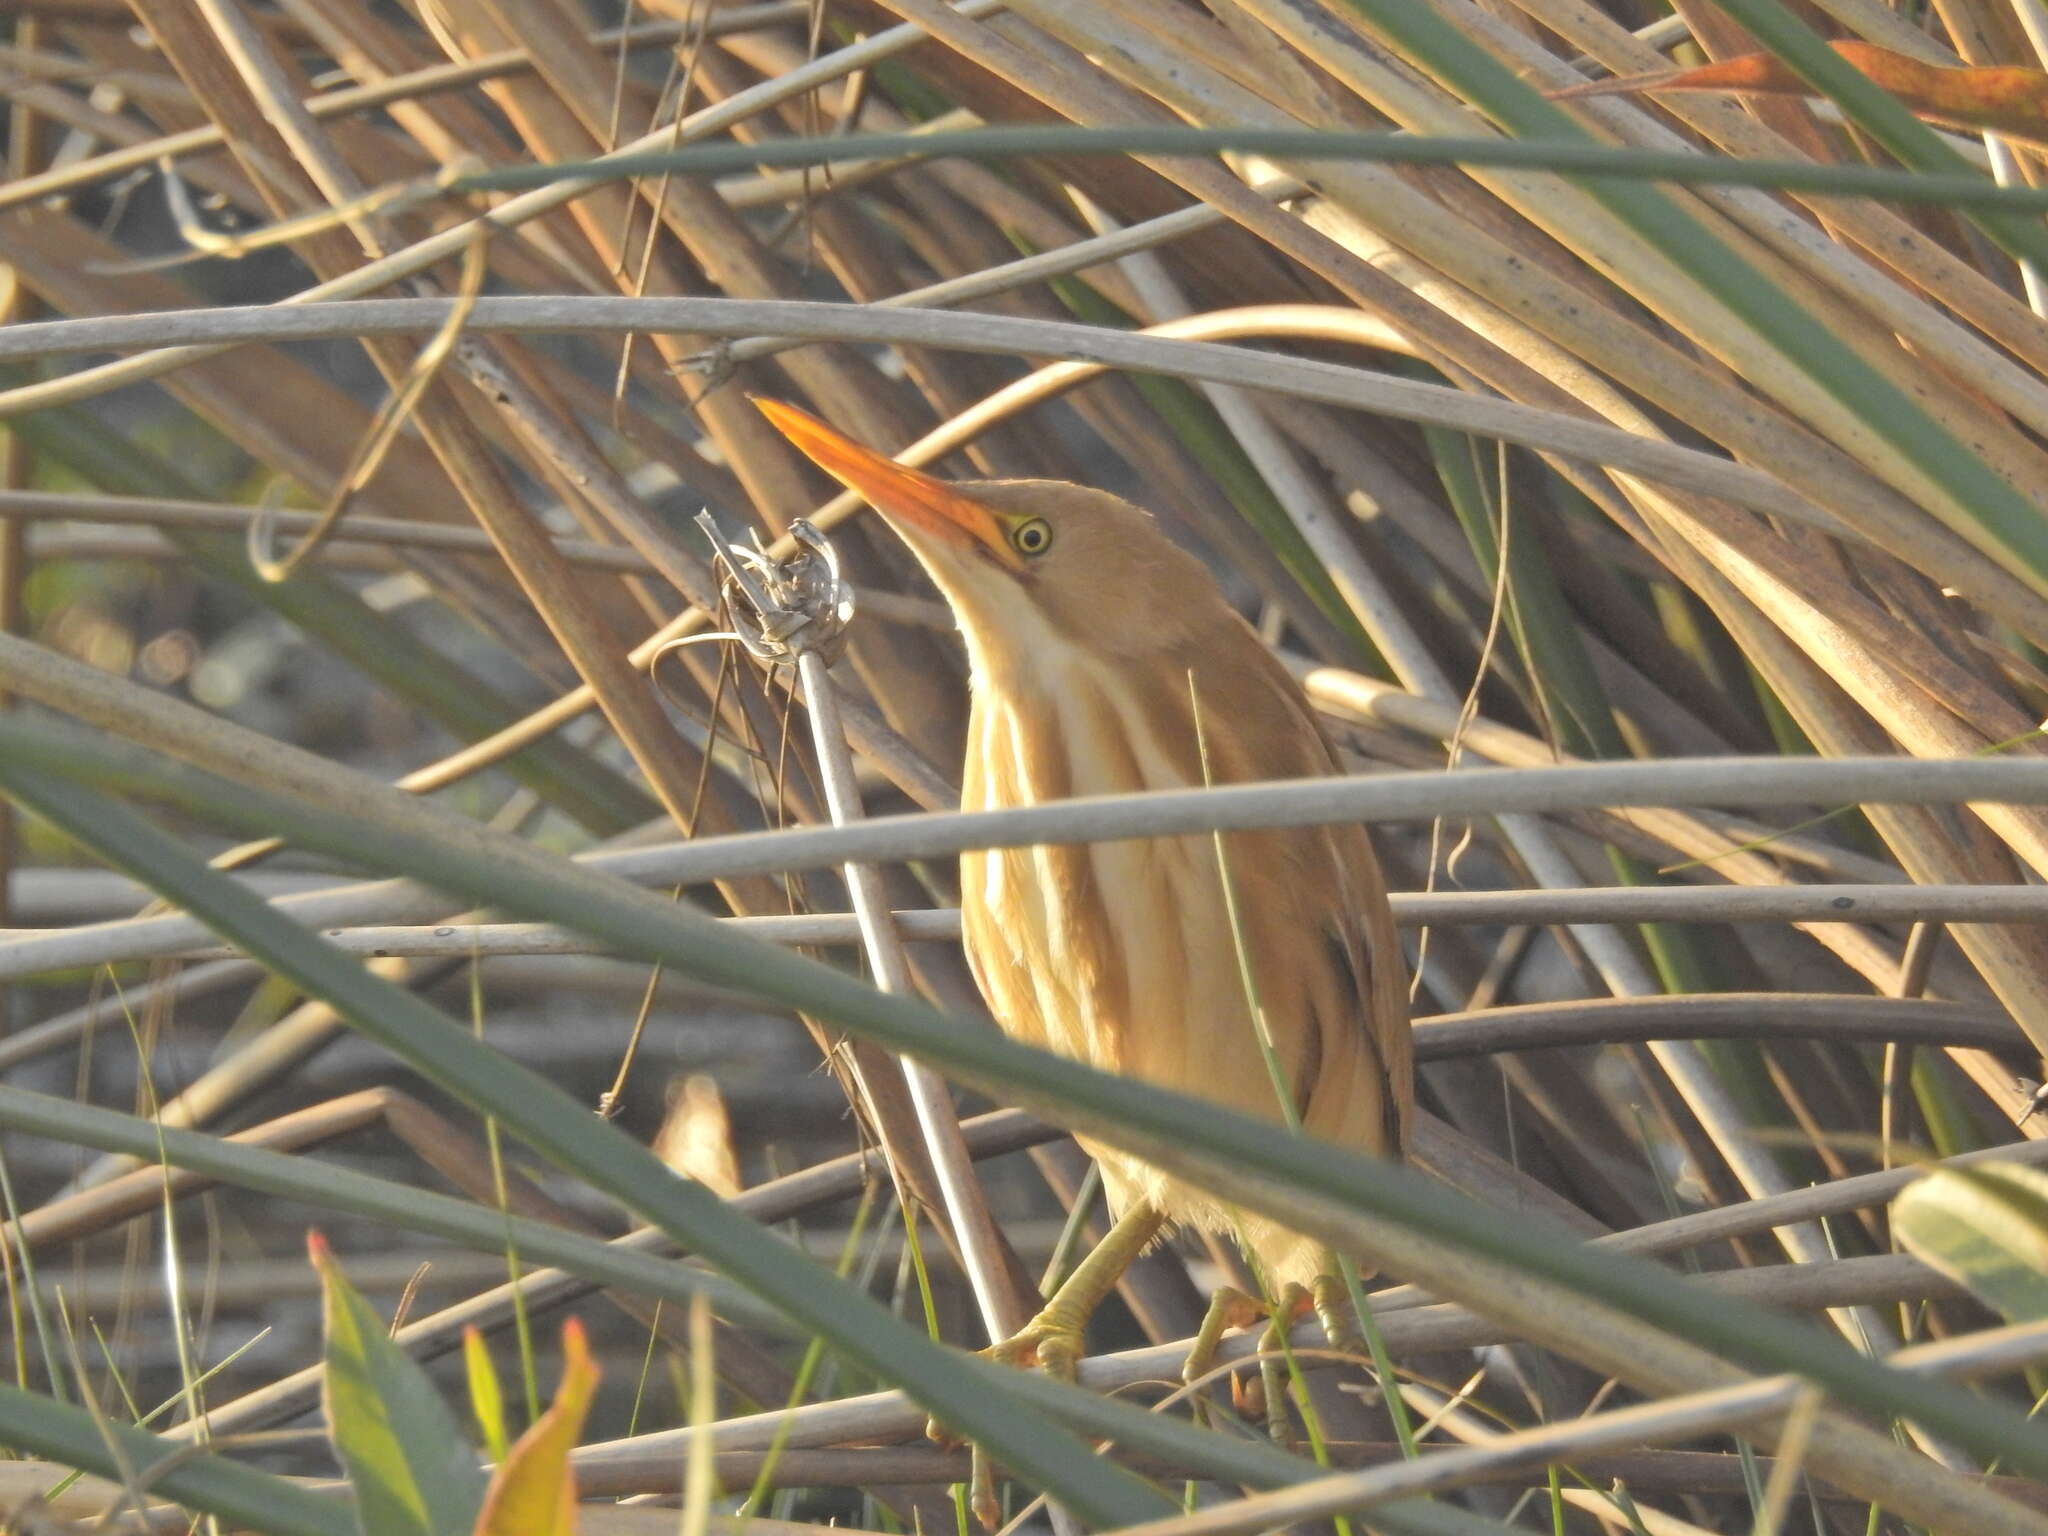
(1340, 1320)
(1054, 1338)
(1228, 1308)
(1231, 1308)
(982, 1502)
(1274, 1363)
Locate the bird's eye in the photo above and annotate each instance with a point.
(1032, 536)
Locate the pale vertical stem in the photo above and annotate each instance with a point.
(1002, 1310)
(2033, 20)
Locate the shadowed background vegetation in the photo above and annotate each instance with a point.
(369, 535)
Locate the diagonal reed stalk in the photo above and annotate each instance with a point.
(1320, 1185)
(1761, 380)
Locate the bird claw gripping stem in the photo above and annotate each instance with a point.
(780, 609)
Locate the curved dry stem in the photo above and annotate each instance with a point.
(1160, 351)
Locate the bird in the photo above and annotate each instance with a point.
(1261, 971)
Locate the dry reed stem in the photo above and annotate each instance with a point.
(1501, 280)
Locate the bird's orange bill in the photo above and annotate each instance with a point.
(913, 500)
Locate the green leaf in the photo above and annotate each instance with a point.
(46, 766)
(1985, 1226)
(240, 1494)
(534, 1490)
(413, 1472)
(486, 1400)
(1574, 155)
(553, 1123)
(1574, 706)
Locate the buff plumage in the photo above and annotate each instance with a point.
(1105, 660)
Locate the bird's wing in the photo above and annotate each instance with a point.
(1350, 982)
(1366, 950)
(1315, 894)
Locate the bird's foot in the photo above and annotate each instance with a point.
(1228, 1308)
(1332, 1301)
(1266, 1396)
(1051, 1342)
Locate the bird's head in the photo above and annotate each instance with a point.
(1022, 562)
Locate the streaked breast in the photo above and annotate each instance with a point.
(1118, 953)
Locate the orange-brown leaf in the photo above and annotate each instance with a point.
(533, 1493)
(2007, 99)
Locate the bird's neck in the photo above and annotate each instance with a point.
(1013, 650)
(1063, 721)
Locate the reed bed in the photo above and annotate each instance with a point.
(1648, 489)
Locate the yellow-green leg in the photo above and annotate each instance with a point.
(1274, 1375)
(1228, 1308)
(1055, 1339)
(1231, 1308)
(1341, 1325)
